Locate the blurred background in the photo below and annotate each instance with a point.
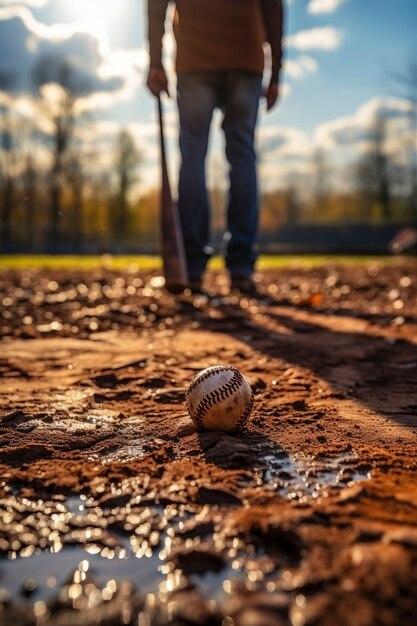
(79, 159)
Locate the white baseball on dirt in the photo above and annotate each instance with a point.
(220, 398)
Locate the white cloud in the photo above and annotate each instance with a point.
(273, 175)
(298, 68)
(324, 6)
(138, 57)
(273, 137)
(26, 44)
(321, 38)
(31, 3)
(285, 153)
(354, 132)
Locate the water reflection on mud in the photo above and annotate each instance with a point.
(76, 550)
(301, 477)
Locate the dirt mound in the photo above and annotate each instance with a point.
(114, 510)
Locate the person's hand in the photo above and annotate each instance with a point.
(271, 95)
(157, 81)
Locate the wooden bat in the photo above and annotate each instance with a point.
(172, 242)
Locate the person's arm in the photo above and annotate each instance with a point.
(157, 79)
(273, 17)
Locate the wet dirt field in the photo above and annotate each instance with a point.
(114, 510)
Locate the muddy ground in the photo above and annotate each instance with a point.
(114, 510)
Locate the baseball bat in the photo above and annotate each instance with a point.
(172, 242)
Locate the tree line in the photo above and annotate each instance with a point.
(56, 195)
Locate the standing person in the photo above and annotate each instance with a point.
(219, 64)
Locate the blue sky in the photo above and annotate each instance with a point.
(340, 59)
(378, 36)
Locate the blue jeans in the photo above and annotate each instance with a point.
(237, 94)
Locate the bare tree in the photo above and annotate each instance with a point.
(126, 161)
(30, 184)
(321, 177)
(374, 170)
(101, 196)
(8, 167)
(76, 178)
(407, 82)
(59, 106)
(18, 176)
(292, 204)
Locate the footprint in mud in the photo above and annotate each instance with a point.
(227, 451)
(299, 476)
(295, 476)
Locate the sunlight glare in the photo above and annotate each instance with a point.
(98, 17)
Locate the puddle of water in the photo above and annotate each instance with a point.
(52, 571)
(143, 560)
(78, 505)
(46, 573)
(39, 575)
(215, 586)
(299, 476)
(135, 450)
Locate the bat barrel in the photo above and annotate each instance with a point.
(172, 241)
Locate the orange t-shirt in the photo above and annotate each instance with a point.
(212, 34)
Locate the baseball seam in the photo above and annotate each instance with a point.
(222, 393)
(214, 370)
(241, 423)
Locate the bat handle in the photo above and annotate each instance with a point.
(161, 130)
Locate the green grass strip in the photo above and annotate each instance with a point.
(141, 263)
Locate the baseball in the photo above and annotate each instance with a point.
(220, 398)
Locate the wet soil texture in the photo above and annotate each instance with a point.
(115, 510)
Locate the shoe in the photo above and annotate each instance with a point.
(192, 286)
(246, 286)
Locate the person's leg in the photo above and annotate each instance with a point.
(242, 91)
(196, 102)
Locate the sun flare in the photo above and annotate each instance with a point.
(96, 16)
